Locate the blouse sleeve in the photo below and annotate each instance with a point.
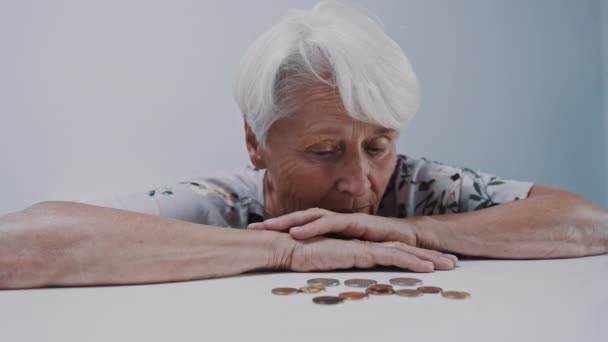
(196, 202)
(426, 187)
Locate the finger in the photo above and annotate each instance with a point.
(321, 254)
(452, 257)
(325, 225)
(283, 223)
(439, 260)
(390, 256)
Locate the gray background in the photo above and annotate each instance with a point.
(107, 97)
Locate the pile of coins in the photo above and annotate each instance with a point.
(318, 286)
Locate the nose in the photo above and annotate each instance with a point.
(354, 175)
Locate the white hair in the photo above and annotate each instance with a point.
(374, 78)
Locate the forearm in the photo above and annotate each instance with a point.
(550, 226)
(71, 244)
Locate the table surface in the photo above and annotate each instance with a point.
(531, 300)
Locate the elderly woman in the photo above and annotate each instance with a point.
(323, 95)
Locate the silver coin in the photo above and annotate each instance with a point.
(323, 282)
(405, 282)
(364, 283)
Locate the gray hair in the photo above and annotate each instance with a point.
(374, 78)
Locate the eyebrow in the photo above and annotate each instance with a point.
(384, 130)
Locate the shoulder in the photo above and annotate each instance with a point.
(232, 196)
(226, 199)
(230, 187)
(421, 186)
(421, 171)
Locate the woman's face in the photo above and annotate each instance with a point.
(321, 157)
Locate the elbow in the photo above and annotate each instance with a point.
(576, 226)
(17, 274)
(600, 233)
(23, 272)
(7, 274)
(26, 238)
(590, 221)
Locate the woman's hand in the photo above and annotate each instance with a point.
(383, 235)
(323, 254)
(315, 221)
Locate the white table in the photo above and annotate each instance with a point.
(538, 300)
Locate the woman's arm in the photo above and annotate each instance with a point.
(550, 223)
(67, 244)
(74, 244)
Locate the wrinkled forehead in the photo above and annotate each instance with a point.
(319, 115)
(314, 95)
(319, 107)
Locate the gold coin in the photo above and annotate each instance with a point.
(408, 293)
(312, 289)
(323, 282)
(380, 289)
(430, 289)
(360, 282)
(328, 300)
(405, 281)
(284, 291)
(353, 295)
(455, 295)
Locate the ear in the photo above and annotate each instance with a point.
(253, 148)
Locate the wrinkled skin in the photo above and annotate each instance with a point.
(320, 157)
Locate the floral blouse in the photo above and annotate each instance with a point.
(417, 187)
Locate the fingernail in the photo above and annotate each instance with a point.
(269, 221)
(453, 258)
(295, 229)
(253, 225)
(447, 261)
(428, 266)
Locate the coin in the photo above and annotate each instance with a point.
(360, 282)
(380, 289)
(353, 295)
(430, 289)
(455, 295)
(323, 282)
(312, 289)
(408, 293)
(284, 291)
(405, 281)
(328, 300)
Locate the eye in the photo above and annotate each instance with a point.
(324, 153)
(376, 149)
(326, 150)
(378, 146)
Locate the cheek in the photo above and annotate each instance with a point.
(300, 183)
(381, 172)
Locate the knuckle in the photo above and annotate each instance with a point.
(364, 260)
(322, 221)
(400, 244)
(318, 211)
